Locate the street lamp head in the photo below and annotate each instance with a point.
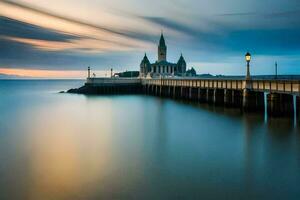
(248, 57)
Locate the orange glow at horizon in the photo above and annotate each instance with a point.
(52, 74)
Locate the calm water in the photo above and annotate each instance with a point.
(62, 146)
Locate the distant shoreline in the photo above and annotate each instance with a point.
(40, 79)
(257, 77)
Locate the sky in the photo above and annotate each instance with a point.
(60, 38)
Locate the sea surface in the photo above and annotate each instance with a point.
(74, 147)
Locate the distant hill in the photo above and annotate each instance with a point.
(204, 75)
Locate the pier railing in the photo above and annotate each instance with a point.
(112, 81)
(278, 86)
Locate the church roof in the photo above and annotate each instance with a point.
(162, 42)
(164, 63)
(145, 59)
(181, 59)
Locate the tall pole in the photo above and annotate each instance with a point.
(248, 78)
(276, 70)
(248, 70)
(89, 72)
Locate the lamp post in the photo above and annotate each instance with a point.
(89, 72)
(276, 70)
(248, 58)
(248, 85)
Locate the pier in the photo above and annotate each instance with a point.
(281, 96)
(111, 85)
(278, 96)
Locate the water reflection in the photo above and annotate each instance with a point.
(162, 132)
(61, 146)
(63, 149)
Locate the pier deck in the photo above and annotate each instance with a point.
(281, 95)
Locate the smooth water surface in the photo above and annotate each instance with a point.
(66, 146)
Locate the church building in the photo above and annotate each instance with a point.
(162, 67)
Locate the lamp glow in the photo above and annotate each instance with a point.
(248, 57)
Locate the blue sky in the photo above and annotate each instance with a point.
(213, 35)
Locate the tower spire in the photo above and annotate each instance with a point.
(162, 49)
(162, 42)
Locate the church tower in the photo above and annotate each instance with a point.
(145, 66)
(181, 66)
(162, 49)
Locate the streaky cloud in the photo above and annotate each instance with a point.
(14, 28)
(288, 13)
(35, 9)
(237, 14)
(61, 17)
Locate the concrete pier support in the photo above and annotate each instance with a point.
(144, 89)
(174, 92)
(198, 93)
(210, 96)
(298, 106)
(253, 101)
(181, 92)
(165, 91)
(260, 101)
(218, 96)
(194, 94)
(237, 98)
(228, 97)
(280, 105)
(202, 95)
(160, 90)
(248, 100)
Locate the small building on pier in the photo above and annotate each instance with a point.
(162, 67)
